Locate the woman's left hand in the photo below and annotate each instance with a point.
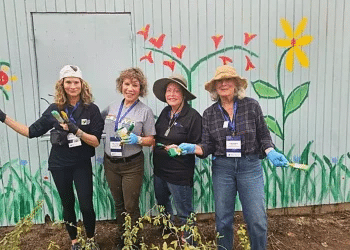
(277, 159)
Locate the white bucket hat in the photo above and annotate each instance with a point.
(70, 71)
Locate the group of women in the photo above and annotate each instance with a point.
(232, 130)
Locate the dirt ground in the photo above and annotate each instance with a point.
(324, 231)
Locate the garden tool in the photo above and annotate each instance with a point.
(57, 116)
(298, 166)
(64, 116)
(172, 152)
(124, 133)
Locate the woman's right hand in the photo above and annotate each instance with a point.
(2, 116)
(170, 146)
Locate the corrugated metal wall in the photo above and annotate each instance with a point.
(316, 131)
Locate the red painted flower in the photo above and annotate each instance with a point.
(3, 78)
(248, 37)
(147, 57)
(157, 41)
(225, 59)
(144, 32)
(170, 63)
(250, 65)
(217, 39)
(179, 50)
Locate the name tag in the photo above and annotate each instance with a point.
(116, 147)
(73, 140)
(233, 146)
(225, 124)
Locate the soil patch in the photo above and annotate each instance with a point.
(323, 231)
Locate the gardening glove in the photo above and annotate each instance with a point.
(277, 159)
(187, 148)
(133, 139)
(2, 116)
(72, 128)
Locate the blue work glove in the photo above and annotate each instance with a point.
(133, 139)
(187, 148)
(277, 159)
(2, 116)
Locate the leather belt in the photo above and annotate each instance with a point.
(122, 159)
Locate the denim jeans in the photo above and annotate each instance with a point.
(182, 197)
(245, 176)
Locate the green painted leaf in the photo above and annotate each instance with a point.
(296, 99)
(4, 63)
(273, 125)
(265, 90)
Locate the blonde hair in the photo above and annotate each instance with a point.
(133, 73)
(239, 91)
(61, 96)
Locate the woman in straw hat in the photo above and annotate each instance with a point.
(235, 133)
(177, 123)
(73, 144)
(124, 159)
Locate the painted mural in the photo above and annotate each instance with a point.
(25, 180)
(5, 79)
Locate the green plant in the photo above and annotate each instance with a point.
(12, 240)
(131, 232)
(243, 237)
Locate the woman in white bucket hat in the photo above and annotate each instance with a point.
(73, 144)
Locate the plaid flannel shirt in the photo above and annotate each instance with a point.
(250, 125)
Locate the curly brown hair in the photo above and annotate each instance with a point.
(61, 96)
(133, 73)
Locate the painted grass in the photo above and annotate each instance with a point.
(325, 182)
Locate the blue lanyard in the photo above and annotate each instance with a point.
(70, 114)
(119, 119)
(231, 124)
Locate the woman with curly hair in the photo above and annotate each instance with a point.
(73, 144)
(124, 159)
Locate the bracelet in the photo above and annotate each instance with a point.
(79, 135)
(139, 140)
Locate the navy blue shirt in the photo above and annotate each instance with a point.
(88, 118)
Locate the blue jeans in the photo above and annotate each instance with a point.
(182, 197)
(245, 176)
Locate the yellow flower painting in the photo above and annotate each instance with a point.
(294, 41)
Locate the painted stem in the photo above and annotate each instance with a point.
(280, 91)
(5, 93)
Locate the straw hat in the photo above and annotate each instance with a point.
(224, 72)
(160, 85)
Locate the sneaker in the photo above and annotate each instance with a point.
(76, 246)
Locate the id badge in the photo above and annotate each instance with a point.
(73, 140)
(116, 147)
(233, 146)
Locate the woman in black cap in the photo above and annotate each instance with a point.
(177, 123)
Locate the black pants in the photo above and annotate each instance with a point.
(81, 175)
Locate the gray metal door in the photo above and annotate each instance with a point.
(100, 44)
